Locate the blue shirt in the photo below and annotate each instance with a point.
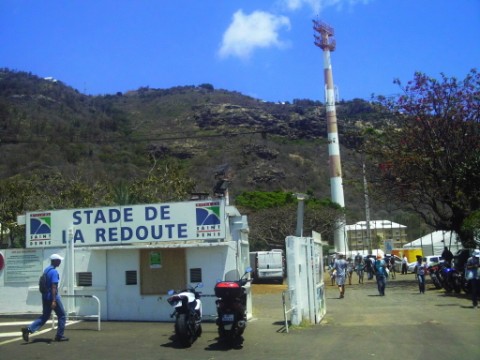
(52, 278)
(421, 268)
(380, 267)
(340, 265)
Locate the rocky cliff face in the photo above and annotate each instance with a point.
(276, 119)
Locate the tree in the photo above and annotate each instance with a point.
(272, 216)
(472, 224)
(428, 153)
(14, 197)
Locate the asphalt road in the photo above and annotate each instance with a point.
(402, 325)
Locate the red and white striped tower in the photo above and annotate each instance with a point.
(325, 41)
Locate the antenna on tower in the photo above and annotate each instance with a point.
(324, 36)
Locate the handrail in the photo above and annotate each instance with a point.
(285, 311)
(79, 316)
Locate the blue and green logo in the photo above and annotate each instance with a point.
(208, 214)
(40, 226)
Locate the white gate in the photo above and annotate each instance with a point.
(305, 279)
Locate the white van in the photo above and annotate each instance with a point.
(432, 259)
(268, 265)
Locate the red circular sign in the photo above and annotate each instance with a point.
(2, 261)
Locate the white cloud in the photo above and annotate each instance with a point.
(297, 4)
(318, 5)
(246, 33)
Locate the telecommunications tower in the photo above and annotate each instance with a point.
(324, 40)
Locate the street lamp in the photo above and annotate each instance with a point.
(300, 212)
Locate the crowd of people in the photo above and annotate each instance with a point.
(341, 271)
(381, 268)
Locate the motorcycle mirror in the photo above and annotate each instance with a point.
(248, 269)
(200, 285)
(171, 292)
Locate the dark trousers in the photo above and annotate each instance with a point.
(421, 283)
(381, 284)
(46, 312)
(475, 290)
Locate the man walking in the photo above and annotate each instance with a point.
(472, 267)
(340, 267)
(50, 301)
(381, 274)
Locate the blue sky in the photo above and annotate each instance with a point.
(261, 48)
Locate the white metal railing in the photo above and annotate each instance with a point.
(70, 315)
(290, 309)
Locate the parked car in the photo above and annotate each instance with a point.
(398, 262)
(430, 260)
(433, 259)
(411, 267)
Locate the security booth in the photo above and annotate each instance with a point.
(130, 256)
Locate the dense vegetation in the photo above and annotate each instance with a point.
(61, 148)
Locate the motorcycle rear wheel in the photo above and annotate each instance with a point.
(457, 285)
(183, 330)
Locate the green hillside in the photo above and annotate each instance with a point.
(52, 133)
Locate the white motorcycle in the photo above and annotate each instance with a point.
(188, 314)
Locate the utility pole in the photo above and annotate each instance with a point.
(367, 210)
(324, 40)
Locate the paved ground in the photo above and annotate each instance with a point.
(401, 325)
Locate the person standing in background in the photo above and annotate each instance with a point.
(404, 265)
(447, 256)
(420, 270)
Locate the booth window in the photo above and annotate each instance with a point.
(131, 277)
(84, 279)
(196, 275)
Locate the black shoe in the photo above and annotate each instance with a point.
(61, 338)
(25, 333)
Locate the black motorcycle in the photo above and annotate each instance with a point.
(433, 270)
(231, 309)
(187, 313)
(450, 278)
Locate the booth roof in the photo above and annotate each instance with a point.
(159, 245)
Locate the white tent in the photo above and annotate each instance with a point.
(375, 252)
(434, 243)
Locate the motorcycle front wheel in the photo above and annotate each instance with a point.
(436, 282)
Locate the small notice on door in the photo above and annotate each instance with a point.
(155, 260)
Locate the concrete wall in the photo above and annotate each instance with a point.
(119, 301)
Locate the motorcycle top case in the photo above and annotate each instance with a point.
(226, 289)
